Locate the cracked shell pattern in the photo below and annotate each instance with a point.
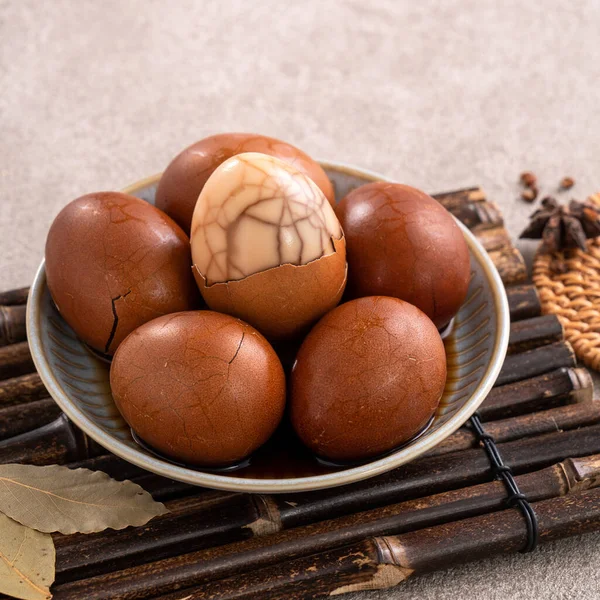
(367, 378)
(256, 213)
(201, 387)
(83, 379)
(184, 178)
(113, 262)
(402, 243)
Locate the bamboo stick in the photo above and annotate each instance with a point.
(15, 420)
(462, 196)
(484, 219)
(510, 264)
(166, 534)
(161, 488)
(11, 297)
(471, 207)
(265, 515)
(561, 386)
(523, 302)
(202, 518)
(15, 360)
(386, 561)
(12, 324)
(536, 362)
(535, 332)
(22, 389)
(562, 418)
(112, 465)
(496, 238)
(57, 442)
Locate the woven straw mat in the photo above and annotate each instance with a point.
(569, 287)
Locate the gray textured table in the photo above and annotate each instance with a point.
(94, 95)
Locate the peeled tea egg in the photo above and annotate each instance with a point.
(199, 387)
(367, 378)
(114, 262)
(267, 246)
(402, 243)
(184, 178)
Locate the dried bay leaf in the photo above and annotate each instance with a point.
(27, 560)
(67, 500)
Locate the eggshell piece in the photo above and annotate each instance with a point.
(267, 246)
(200, 387)
(367, 378)
(114, 262)
(282, 302)
(402, 243)
(184, 178)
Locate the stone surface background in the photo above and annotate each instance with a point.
(95, 95)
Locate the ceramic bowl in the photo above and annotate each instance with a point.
(79, 382)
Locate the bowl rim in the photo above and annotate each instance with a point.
(300, 484)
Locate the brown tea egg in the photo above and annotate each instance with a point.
(403, 243)
(200, 387)
(267, 246)
(184, 178)
(367, 378)
(114, 262)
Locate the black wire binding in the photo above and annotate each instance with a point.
(503, 472)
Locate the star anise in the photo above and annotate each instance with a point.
(561, 227)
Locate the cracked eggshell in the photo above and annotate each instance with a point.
(114, 262)
(267, 246)
(184, 178)
(200, 387)
(367, 378)
(403, 243)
